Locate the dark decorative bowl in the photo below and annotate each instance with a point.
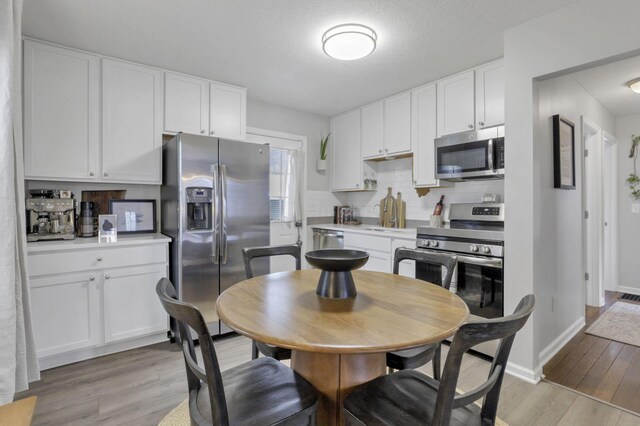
(336, 281)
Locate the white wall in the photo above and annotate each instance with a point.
(561, 221)
(579, 35)
(628, 223)
(397, 174)
(273, 117)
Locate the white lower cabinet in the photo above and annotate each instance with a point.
(406, 268)
(82, 309)
(130, 306)
(65, 311)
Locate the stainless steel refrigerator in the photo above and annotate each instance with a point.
(215, 202)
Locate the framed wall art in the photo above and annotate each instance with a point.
(134, 216)
(564, 153)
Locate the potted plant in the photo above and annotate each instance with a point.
(633, 180)
(322, 162)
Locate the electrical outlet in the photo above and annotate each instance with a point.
(635, 208)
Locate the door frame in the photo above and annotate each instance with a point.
(610, 212)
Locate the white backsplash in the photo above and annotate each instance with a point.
(398, 175)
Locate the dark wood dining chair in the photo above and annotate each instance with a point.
(259, 392)
(251, 253)
(409, 397)
(416, 357)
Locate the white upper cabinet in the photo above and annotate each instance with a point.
(372, 130)
(131, 122)
(456, 104)
(490, 95)
(397, 124)
(228, 112)
(186, 104)
(346, 158)
(423, 133)
(61, 113)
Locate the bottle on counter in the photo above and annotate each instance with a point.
(439, 206)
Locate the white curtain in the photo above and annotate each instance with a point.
(18, 362)
(292, 208)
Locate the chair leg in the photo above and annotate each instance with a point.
(436, 363)
(254, 350)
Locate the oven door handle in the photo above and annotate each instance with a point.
(480, 261)
(490, 155)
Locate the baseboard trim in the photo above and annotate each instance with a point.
(528, 375)
(558, 343)
(630, 290)
(70, 357)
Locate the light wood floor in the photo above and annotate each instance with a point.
(602, 368)
(140, 386)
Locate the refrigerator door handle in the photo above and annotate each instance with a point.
(216, 225)
(223, 190)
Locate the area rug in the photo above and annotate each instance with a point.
(179, 416)
(621, 322)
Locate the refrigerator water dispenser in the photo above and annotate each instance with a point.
(199, 208)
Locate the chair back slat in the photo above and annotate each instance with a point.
(189, 317)
(250, 253)
(446, 261)
(467, 336)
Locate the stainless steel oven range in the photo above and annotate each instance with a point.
(475, 234)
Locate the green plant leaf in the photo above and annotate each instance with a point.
(324, 141)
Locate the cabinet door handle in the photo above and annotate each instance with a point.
(380, 151)
(212, 132)
(471, 126)
(92, 278)
(106, 277)
(386, 150)
(99, 259)
(105, 174)
(202, 132)
(481, 123)
(90, 173)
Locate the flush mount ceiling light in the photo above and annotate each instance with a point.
(349, 41)
(634, 85)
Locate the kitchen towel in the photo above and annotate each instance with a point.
(18, 362)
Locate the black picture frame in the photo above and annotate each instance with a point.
(564, 153)
(137, 224)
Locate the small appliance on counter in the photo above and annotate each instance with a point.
(87, 222)
(50, 217)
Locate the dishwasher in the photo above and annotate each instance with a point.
(327, 239)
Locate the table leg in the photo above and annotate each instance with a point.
(334, 376)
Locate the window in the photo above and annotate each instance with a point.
(278, 167)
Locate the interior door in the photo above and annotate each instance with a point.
(244, 195)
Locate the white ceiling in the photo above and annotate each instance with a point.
(273, 47)
(607, 83)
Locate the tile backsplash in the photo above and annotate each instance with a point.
(398, 175)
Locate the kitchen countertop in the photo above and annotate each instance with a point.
(82, 243)
(406, 233)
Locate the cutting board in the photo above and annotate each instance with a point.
(388, 213)
(401, 211)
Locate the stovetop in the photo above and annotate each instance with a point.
(464, 230)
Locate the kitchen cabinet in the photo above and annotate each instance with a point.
(423, 134)
(186, 104)
(227, 111)
(490, 95)
(65, 312)
(90, 299)
(61, 113)
(129, 311)
(131, 122)
(456, 104)
(372, 130)
(346, 159)
(397, 124)
(406, 268)
(377, 247)
(194, 105)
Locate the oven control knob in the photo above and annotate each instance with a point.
(473, 248)
(485, 250)
(425, 243)
(434, 243)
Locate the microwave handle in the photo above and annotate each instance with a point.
(490, 154)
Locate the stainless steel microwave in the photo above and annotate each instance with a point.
(471, 155)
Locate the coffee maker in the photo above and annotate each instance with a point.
(51, 218)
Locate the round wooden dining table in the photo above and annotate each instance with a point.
(338, 344)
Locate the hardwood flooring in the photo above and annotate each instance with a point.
(598, 367)
(139, 387)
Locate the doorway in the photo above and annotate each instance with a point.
(600, 201)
